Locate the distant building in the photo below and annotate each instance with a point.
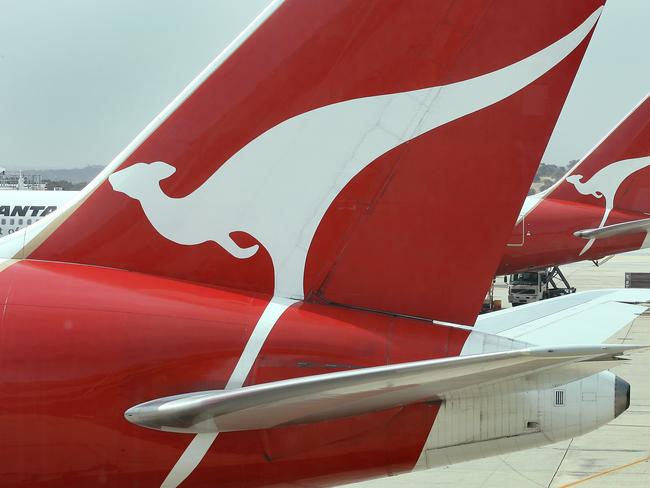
(15, 180)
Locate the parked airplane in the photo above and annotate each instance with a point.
(245, 296)
(599, 208)
(19, 208)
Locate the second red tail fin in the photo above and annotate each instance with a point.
(615, 175)
(617, 170)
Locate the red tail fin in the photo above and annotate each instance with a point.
(617, 170)
(354, 152)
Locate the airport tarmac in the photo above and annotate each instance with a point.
(617, 454)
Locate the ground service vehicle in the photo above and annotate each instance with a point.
(532, 286)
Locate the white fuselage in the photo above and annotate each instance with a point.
(531, 411)
(20, 208)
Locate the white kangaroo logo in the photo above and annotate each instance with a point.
(278, 187)
(142, 182)
(605, 184)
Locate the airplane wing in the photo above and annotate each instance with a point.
(622, 228)
(590, 316)
(334, 395)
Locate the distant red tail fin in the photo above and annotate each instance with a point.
(617, 171)
(357, 152)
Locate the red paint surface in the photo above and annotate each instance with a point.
(564, 210)
(88, 343)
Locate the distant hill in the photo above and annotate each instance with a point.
(547, 175)
(73, 175)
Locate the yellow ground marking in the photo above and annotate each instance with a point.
(606, 472)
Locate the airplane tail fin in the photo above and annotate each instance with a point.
(614, 175)
(617, 169)
(353, 152)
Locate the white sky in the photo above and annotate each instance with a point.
(612, 80)
(80, 79)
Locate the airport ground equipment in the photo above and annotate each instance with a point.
(637, 280)
(532, 286)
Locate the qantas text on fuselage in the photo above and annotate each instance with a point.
(26, 210)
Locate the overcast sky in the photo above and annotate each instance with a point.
(79, 79)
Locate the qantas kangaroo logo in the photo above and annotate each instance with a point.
(605, 184)
(278, 187)
(141, 181)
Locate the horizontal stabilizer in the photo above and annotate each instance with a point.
(586, 317)
(346, 393)
(623, 228)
